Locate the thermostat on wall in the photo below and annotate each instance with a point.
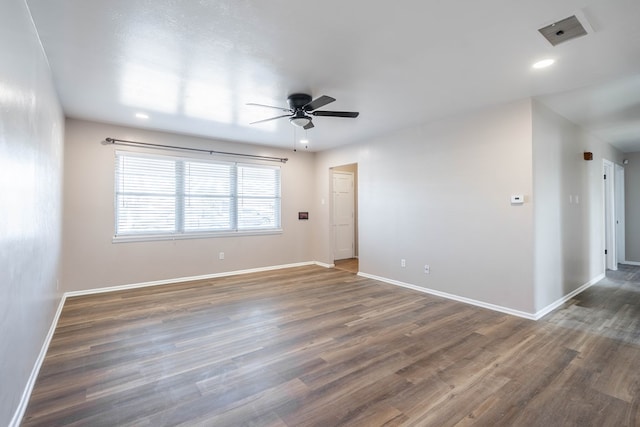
(517, 199)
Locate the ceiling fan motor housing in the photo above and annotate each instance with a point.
(298, 100)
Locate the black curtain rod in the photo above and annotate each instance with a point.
(115, 141)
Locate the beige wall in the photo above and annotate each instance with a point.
(632, 207)
(568, 205)
(91, 260)
(439, 194)
(31, 129)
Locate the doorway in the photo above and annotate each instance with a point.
(344, 218)
(610, 241)
(619, 214)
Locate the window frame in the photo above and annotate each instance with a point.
(180, 195)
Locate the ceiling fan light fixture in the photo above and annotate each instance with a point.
(300, 121)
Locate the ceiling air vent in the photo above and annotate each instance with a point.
(563, 30)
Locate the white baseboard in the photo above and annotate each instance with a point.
(531, 316)
(630, 262)
(453, 297)
(189, 279)
(322, 264)
(541, 313)
(26, 394)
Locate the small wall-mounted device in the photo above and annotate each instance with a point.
(588, 155)
(517, 199)
(303, 215)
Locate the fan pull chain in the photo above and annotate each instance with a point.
(294, 139)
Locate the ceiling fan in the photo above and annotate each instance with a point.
(301, 108)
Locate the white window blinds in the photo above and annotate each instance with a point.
(157, 195)
(258, 188)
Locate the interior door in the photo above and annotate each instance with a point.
(343, 215)
(609, 216)
(619, 210)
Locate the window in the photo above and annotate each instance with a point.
(184, 197)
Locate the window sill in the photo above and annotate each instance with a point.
(186, 236)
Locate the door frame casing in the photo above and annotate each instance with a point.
(609, 215)
(340, 169)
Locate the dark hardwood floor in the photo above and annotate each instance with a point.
(311, 346)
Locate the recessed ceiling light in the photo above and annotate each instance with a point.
(544, 63)
(142, 115)
(304, 141)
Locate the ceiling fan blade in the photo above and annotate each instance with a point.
(318, 102)
(349, 114)
(308, 125)
(271, 118)
(253, 104)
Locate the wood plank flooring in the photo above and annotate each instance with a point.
(351, 265)
(311, 346)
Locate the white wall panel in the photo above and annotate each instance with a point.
(568, 205)
(31, 133)
(439, 194)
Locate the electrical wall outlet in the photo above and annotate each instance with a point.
(403, 263)
(427, 269)
(221, 255)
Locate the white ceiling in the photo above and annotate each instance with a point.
(193, 65)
